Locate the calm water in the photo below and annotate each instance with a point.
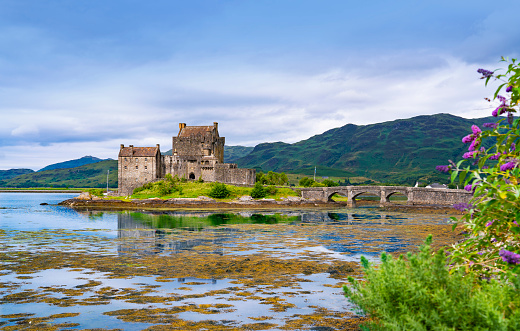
(81, 270)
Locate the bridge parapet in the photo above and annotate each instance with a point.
(414, 195)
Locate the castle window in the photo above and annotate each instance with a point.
(126, 167)
(137, 167)
(146, 159)
(145, 167)
(136, 159)
(126, 159)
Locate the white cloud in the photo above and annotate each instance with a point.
(143, 105)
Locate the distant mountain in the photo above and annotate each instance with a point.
(397, 151)
(400, 151)
(11, 173)
(90, 175)
(73, 163)
(231, 153)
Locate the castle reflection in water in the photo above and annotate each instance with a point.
(151, 233)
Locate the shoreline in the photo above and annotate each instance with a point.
(203, 204)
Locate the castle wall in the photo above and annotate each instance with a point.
(136, 171)
(229, 173)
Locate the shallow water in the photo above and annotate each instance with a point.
(67, 270)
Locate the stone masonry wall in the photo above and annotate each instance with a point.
(136, 171)
(230, 174)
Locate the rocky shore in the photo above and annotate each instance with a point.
(87, 201)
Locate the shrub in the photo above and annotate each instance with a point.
(258, 191)
(272, 178)
(419, 293)
(219, 191)
(271, 190)
(96, 191)
(329, 183)
(306, 182)
(492, 247)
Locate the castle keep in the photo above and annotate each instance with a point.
(197, 153)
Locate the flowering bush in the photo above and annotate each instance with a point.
(492, 219)
(419, 293)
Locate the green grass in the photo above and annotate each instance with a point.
(195, 189)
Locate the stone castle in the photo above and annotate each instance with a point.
(197, 153)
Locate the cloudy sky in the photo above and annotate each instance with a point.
(82, 77)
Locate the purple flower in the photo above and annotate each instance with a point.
(469, 138)
(514, 222)
(443, 168)
(508, 166)
(500, 110)
(501, 98)
(509, 257)
(485, 73)
(480, 253)
(495, 156)
(474, 145)
(489, 223)
(463, 206)
(476, 130)
(490, 125)
(509, 88)
(468, 188)
(513, 147)
(468, 155)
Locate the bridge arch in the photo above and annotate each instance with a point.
(331, 192)
(395, 194)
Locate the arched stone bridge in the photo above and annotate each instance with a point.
(415, 195)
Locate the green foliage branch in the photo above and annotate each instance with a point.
(492, 246)
(419, 293)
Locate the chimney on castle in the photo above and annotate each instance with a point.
(215, 125)
(131, 150)
(122, 146)
(182, 126)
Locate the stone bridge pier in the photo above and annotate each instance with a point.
(414, 195)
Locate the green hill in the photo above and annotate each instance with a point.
(72, 163)
(90, 175)
(400, 151)
(11, 173)
(233, 153)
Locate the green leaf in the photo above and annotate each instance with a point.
(453, 176)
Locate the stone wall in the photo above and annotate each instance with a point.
(431, 196)
(136, 171)
(230, 174)
(415, 195)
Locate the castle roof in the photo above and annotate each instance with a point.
(138, 151)
(195, 130)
